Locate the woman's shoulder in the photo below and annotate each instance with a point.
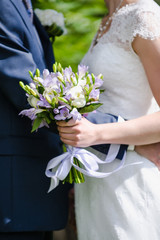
(147, 19)
(141, 18)
(136, 8)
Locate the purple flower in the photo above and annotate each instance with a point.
(98, 82)
(94, 94)
(63, 114)
(67, 72)
(43, 102)
(50, 82)
(31, 113)
(82, 69)
(56, 111)
(67, 87)
(68, 97)
(43, 124)
(75, 114)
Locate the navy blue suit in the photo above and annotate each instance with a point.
(25, 204)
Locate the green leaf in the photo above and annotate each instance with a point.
(36, 124)
(51, 116)
(43, 114)
(102, 90)
(40, 89)
(90, 108)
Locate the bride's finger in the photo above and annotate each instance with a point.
(68, 136)
(65, 129)
(70, 141)
(71, 122)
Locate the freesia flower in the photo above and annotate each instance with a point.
(78, 99)
(45, 73)
(75, 114)
(67, 73)
(94, 94)
(32, 101)
(43, 102)
(82, 82)
(63, 114)
(31, 113)
(82, 70)
(98, 82)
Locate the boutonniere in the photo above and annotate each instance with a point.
(52, 21)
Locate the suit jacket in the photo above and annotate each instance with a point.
(25, 204)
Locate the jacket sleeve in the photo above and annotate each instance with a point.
(15, 58)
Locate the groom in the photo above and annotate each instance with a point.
(27, 211)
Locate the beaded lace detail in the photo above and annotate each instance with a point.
(136, 19)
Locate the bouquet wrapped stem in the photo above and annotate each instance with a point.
(74, 176)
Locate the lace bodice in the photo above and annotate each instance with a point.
(135, 19)
(127, 91)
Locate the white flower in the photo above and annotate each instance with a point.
(32, 85)
(48, 17)
(82, 82)
(77, 96)
(38, 80)
(45, 73)
(32, 101)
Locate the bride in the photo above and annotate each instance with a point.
(126, 50)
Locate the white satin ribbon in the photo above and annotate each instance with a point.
(59, 167)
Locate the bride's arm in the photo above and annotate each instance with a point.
(149, 54)
(140, 131)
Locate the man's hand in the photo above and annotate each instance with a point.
(151, 152)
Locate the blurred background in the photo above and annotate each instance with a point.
(82, 19)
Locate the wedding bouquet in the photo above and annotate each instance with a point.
(53, 21)
(62, 95)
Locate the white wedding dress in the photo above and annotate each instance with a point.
(125, 205)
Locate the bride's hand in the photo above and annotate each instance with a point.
(151, 152)
(77, 133)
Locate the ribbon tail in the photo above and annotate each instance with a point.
(64, 169)
(54, 163)
(53, 183)
(114, 148)
(57, 169)
(88, 171)
(112, 153)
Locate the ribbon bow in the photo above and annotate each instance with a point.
(59, 167)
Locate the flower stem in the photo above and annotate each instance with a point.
(74, 176)
(79, 176)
